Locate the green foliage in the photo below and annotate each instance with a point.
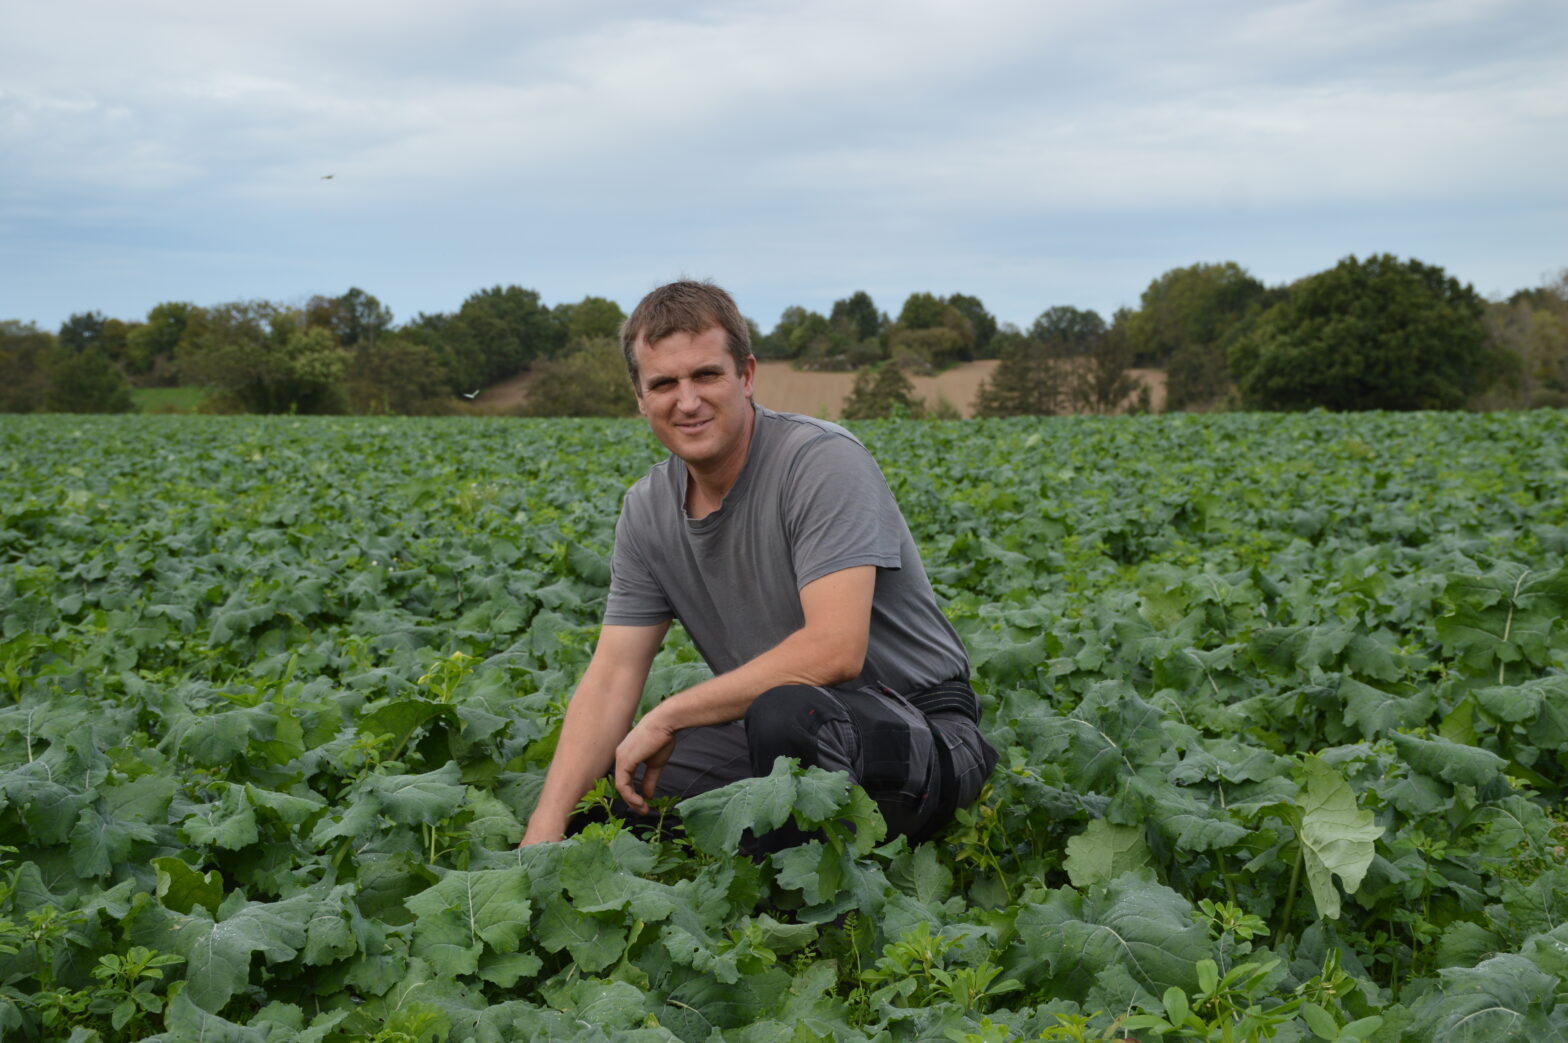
(591, 318)
(858, 313)
(264, 359)
(1375, 334)
(591, 381)
(1076, 328)
(85, 381)
(397, 375)
(355, 319)
(496, 334)
(880, 392)
(1185, 320)
(1034, 378)
(25, 351)
(271, 721)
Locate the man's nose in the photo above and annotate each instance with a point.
(686, 399)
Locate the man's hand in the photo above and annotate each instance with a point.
(649, 744)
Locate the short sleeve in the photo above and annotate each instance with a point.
(839, 512)
(635, 597)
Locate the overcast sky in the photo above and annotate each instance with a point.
(1029, 153)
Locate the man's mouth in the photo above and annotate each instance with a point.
(693, 426)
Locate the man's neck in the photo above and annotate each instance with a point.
(706, 487)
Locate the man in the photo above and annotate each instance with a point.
(775, 541)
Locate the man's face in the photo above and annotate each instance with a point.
(695, 402)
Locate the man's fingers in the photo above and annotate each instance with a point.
(650, 779)
(628, 792)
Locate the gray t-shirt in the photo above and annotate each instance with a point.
(809, 501)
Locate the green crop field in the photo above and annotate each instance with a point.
(169, 400)
(1282, 703)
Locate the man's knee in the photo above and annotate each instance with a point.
(785, 722)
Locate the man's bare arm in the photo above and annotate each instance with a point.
(597, 718)
(828, 649)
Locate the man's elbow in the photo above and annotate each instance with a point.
(841, 661)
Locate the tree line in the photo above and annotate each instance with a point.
(1373, 333)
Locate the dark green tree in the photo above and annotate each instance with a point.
(590, 381)
(152, 345)
(880, 392)
(858, 313)
(25, 354)
(355, 319)
(590, 318)
(86, 381)
(398, 375)
(1184, 323)
(263, 359)
(932, 331)
(496, 334)
(82, 330)
(1033, 378)
(1375, 334)
(981, 321)
(1102, 381)
(922, 311)
(1076, 329)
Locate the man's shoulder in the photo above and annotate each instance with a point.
(797, 430)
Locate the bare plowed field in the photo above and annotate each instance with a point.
(789, 390)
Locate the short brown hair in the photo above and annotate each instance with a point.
(685, 306)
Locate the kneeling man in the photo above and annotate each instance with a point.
(774, 540)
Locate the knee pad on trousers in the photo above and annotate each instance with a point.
(784, 721)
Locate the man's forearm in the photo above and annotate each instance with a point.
(597, 718)
(583, 754)
(798, 659)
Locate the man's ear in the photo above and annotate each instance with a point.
(748, 375)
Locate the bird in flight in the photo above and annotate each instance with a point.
(470, 394)
(328, 177)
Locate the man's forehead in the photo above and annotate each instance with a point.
(683, 345)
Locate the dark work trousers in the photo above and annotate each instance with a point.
(918, 767)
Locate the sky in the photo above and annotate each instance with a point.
(1028, 152)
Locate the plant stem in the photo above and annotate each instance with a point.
(1295, 881)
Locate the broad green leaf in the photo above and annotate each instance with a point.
(594, 941)
(1504, 998)
(1449, 761)
(458, 917)
(182, 888)
(419, 799)
(1337, 837)
(1133, 925)
(1103, 852)
(717, 819)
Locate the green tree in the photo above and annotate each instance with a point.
(86, 381)
(496, 334)
(1184, 323)
(591, 381)
(397, 375)
(355, 319)
(1529, 336)
(25, 354)
(982, 322)
(858, 314)
(82, 330)
(1101, 380)
(1375, 334)
(590, 318)
(152, 345)
(932, 330)
(1033, 378)
(880, 392)
(264, 359)
(1076, 329)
